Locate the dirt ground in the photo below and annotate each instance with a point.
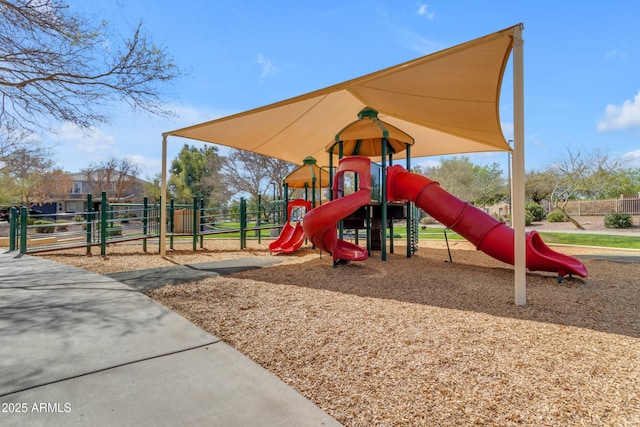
(420, 340)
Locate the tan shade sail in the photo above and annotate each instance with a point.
(447, 101)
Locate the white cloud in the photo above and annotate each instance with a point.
(267, 65)
(149, 166)
(632, 158)
(423, 10)
(93, 140)
(621, 117)
(615, 53)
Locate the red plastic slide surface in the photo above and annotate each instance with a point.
(487, 233)
(320, 224)
(290, 238)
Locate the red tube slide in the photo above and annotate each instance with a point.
(487, 233)
(320, 224)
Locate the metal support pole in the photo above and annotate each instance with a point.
(103, 223)
(24, 218)
(89, 219)
(243, 223)
(163, 198)
(518, 198)
(13, 228)
(194, 223)
(145, 220)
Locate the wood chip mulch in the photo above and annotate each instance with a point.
(422, 341)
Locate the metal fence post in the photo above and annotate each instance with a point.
(194, 223)
(201, 223)
(89, 222)
(13, 228)
(23, 229)
(103, 223)
(258, 219)
(243, 223)
(145, 219)
(171, 221)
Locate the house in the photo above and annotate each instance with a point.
(500, 210)
(121, 188)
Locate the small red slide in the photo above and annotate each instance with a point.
(487, 233)
(320, 224)
(291, 237)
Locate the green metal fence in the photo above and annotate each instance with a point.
(113, 223)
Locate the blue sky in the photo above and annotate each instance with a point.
(581, 58)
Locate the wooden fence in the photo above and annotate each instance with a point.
(625, 204)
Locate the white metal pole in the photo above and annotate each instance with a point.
(163, 200)
(517, 196)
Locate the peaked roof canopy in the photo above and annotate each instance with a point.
(364, 136)
(309, 175)
(447, 101)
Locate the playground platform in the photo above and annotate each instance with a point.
(79, 348)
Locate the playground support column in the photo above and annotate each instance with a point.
(517, 186)
(163, 198)
(383, 229)
(408, 207)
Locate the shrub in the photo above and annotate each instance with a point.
(537, 213)
(116, 230)
(618, 220)
(556, 216)
(528, 217)
(78, 218)
(44, 226)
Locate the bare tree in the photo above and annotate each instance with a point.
(253, 173)
(53, 186)
(581, 174)
(117, 177)
(56, 65)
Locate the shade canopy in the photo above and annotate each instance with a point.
(447, 101)
(365, 137)
(309, 175)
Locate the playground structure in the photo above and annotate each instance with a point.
(487, 234)
(291, 237)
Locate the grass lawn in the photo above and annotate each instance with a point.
(580, 239)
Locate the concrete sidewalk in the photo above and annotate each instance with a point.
(78, 348)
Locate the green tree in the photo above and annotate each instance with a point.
(480, 185)
(59, 66)
(196, 172)
(538, 186)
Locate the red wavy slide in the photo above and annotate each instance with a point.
(290, 238)
(320, 224)
(487, 233)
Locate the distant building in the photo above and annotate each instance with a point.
(500, 210)
(121, 189)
